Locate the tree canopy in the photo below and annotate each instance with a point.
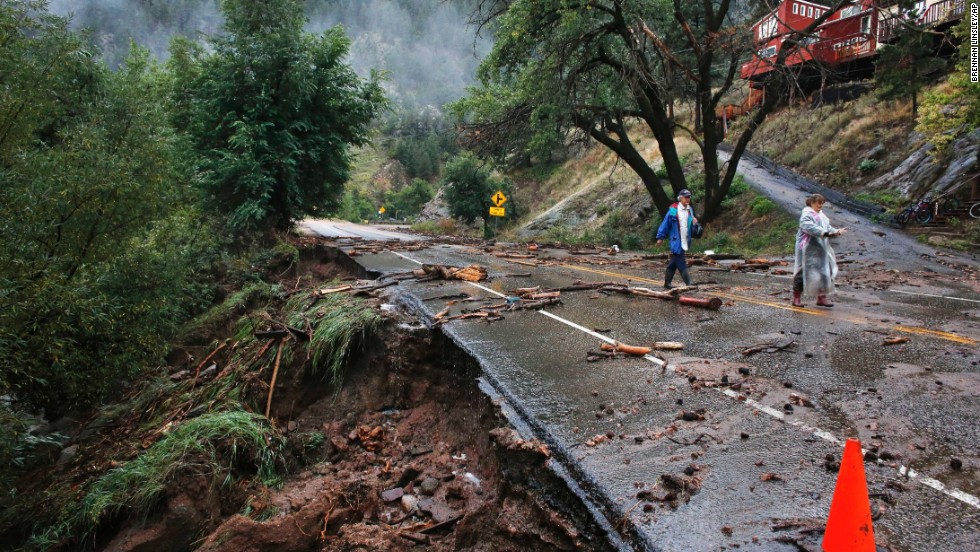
(469, 185)
(564, 70)
(99, 251)
(273, 112)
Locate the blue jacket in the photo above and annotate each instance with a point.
(670, 229)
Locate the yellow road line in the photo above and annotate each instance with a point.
(854, 320)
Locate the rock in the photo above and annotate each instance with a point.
(727, 530)
(956, 464)
(339, 443)
(392, 495)
(440, 512)
(744, 435)
(409, 503)
(178, 376)
(67, 454)
(429, 486)
(875, 152)
(209, 372)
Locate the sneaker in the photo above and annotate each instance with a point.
(668, 286)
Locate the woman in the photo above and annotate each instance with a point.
(814, 268)
(676, 227)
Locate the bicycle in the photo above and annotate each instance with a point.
(920, 211)
(975, 210)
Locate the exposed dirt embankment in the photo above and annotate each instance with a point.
(407, 453)
(414, 457)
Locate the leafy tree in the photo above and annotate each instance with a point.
(957, 105)
(592, 69)
(469, 187)
(410, 200)
(902, 66)
(356, 205)
(99, 247)
(274, 111)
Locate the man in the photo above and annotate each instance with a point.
(676, 227)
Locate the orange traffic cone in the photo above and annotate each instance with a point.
(849, 526)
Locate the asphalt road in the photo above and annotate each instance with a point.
(751, 472)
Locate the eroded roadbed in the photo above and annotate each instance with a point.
(708, 448)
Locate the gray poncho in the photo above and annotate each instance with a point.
(814, 256)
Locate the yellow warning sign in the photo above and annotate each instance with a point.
(381, 210)
(499, 199)
(497, 211)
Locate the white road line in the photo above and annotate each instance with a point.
(931, 295)
(823, 434)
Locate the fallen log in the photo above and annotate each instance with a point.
(713, 303)
(628, 349)
(579, 285)
(542, 295)
(514, 256)
(328, 291)
(525, 304)
(668, 345)
(525, 263)
(525, 291)
(769, 347)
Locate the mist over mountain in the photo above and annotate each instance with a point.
(425, 46)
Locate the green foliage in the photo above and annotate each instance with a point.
(213, 443)
(469, 186)
(101, 251)
(409, 201)
(356, 206)
(868, 165)
(761, 206)
(422, 139)
(902, 66)
(602, 70)
(338, 322)
(273, 113)
(956, 105)
(242, 300)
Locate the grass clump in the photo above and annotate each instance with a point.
(243, 299)
(210, 444)
(762, 206)
(337, 321)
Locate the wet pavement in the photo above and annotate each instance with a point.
(754, 473)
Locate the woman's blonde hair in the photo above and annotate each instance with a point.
(815, 198)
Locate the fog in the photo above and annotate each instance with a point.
(425, 46)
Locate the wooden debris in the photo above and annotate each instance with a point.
(668, 345)
(895, 340)
(471, 273)
(771, 347)
(628, 349)
(328, 291)
(272, 384)
(713, 303)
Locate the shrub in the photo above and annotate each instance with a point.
(867, 165)
(761, 206)
(219, 439)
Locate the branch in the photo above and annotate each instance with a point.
(666, 52)
(686, 27)
(693, 134)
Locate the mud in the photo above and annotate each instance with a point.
(408, 454)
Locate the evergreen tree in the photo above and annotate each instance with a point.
(274, 113)
(903, 65)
